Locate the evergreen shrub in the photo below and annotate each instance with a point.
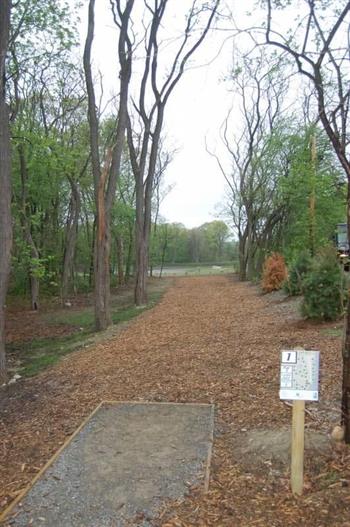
(324, 288)
(274, 273)
(297, 271)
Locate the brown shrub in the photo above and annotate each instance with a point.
(274, 273)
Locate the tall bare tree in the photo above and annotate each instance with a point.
(155, 88)
(252, 180)
(159, 193)
(5, 181)
(105, 177)
(320, 49)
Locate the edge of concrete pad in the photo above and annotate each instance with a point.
(48, 464)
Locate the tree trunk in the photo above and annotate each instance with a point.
(71, 238)
(105, 181)
(34, 292)
(260, 262)
(92, 254)
(5, 184)
(101, 277)
(164, 248)
(130, 253)
(141, 297)
(144, 215)
(101, 250)
(242, 259)
(103, 316)
(251, 263)
(242, 268)
(312, 198)
(345, 406)
(120, 260)
(141, 258)
(102, 283)
(345, 403)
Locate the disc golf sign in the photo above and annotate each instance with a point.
(299, 383)
(299, 375)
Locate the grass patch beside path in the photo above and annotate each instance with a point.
(32, 356)
(35, 355)
(332, 332)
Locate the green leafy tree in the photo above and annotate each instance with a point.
(214, 235)
(42, 38)
(307, 181)
(5, 181)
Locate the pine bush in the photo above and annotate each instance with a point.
(324, 288)
(297, 271)
(274, 273)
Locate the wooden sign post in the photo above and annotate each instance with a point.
(297, 460)
(299, 383)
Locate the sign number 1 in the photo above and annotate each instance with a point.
(289, 357)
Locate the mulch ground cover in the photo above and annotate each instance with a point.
(210, 340)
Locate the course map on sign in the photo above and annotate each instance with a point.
(299, 375)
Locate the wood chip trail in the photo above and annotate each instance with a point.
(210, 339)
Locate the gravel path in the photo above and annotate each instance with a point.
(124, 463)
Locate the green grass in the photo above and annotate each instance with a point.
(39, 363)
(38, 354)
(195, 270)
(332, 332)
(82, 319)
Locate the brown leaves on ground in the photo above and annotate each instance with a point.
(211, 339)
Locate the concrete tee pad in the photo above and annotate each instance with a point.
(123, 463)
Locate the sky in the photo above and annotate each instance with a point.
(201, 100)
(193, 116)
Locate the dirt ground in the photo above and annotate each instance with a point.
(22, 324)
(210, 340)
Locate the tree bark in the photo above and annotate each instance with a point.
(141, 257)
(91, 266)
(101, 252)
(164, 248)
(130, 253)
(120, 260)
(312, 198)
(242, 266)
(345, 402)
(5, 184)
(105, 181)
(242, 255)
(71, 238)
